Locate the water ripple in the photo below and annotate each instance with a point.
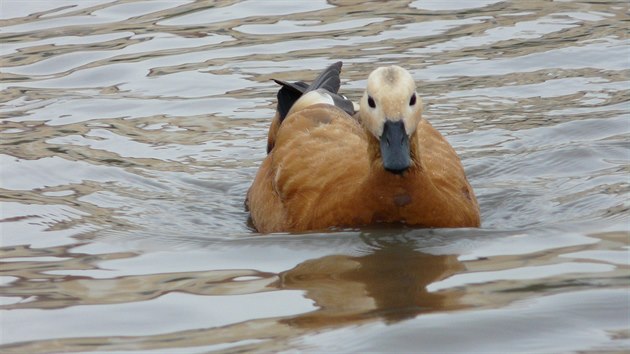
(131, 131)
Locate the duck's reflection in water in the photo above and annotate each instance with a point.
(389, 283)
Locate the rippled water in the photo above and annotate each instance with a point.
(131, 131)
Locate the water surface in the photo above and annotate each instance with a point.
(131, 131)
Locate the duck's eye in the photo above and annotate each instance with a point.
(412, 100)
(371, 102)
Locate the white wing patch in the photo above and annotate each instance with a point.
(312, 98)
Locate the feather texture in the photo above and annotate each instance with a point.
(326, 170)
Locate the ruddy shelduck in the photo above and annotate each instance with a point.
(387, 164)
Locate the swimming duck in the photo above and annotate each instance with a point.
(326, 168)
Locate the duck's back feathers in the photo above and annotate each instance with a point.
(328, 80)
(290, 92)
(299, 182)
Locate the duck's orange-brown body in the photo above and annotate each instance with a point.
(325, 171)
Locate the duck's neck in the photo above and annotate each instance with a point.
(388, 195)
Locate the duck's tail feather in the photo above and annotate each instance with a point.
(287, 95)
(328, 80)
(297, 87)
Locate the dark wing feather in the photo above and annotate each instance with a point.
(297, 87)
(287, 95)
(343, 103)
(328, 80)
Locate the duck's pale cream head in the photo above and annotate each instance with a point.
(391, 111)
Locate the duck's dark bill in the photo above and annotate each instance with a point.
(395, 147)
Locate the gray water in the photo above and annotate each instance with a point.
(131, 131)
